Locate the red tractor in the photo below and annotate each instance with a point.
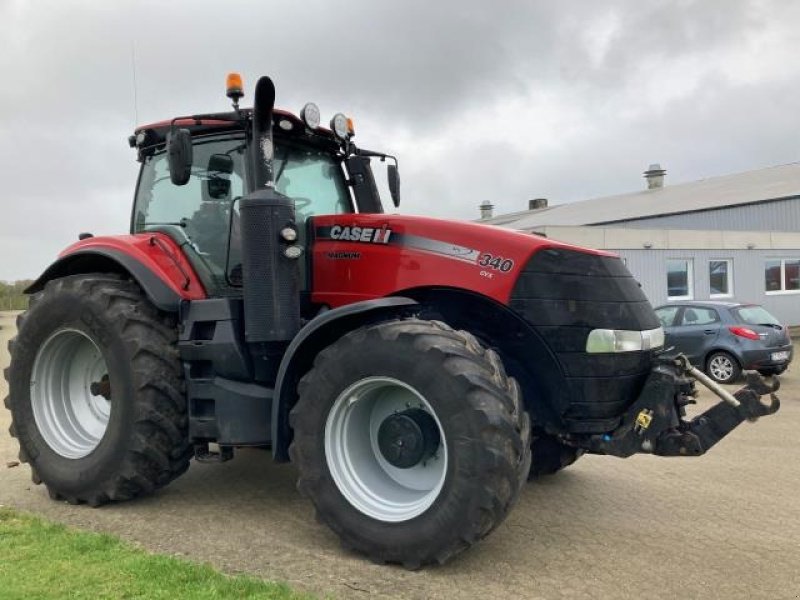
(417, 371)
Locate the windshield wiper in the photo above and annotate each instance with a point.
(182, 223)
(283, 165)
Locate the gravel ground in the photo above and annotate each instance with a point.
(726, 525)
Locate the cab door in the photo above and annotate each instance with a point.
(314, 180)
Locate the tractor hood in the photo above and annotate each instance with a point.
(364, 256)
(562, 292)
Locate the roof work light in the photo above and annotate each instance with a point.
(310, 115)
(339, 126)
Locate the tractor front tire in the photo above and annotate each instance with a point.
(549, 455)
(96, 391)
(411, 441)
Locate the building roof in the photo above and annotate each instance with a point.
(772, 183)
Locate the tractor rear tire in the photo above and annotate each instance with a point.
(96, 391)
(409, 375)
(549, 455)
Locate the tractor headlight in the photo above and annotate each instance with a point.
(620, 340)
(293, 252)
(310, 115)
(289, 234)
(339, 126)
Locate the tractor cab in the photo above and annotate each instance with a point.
(320, 170)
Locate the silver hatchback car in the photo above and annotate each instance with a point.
(725, 338)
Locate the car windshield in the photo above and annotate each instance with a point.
(756, 315)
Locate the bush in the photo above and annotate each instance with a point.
(12, 296)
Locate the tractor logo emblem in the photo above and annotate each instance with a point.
(369, 235)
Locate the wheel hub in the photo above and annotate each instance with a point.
(408, 438)
(101, 388)
(381, 450)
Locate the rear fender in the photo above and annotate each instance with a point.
(154, 261)
(317, 334)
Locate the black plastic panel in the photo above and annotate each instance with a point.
(535, 285)
(620, 314)
(224, 354)
(558, 261)
(224, 407)
(582, 364)
(230, 413)
(564, 294)
(271, 281)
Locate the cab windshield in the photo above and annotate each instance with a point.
(204, 214)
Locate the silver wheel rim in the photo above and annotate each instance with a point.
(721, 368)
(69, 417)
(361, 473)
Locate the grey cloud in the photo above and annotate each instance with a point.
(416, 75)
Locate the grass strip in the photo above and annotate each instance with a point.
(39, 559)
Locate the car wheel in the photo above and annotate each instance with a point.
(723, 368)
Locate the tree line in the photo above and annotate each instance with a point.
(12, 296)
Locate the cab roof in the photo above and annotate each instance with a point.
(284, 123)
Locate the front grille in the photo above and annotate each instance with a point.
(564, 294)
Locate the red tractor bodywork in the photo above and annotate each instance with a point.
(367, 257)
(157, 252)
(360, 257)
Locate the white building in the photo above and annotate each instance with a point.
(732, 237)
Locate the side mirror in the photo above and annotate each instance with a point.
(218, 188)
(220, 163)
(179, 155)
(394, 183)
(218, 185)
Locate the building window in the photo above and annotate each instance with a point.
(679, 279)
(782, 275)
(720, 278)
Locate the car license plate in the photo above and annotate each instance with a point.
(780, 355)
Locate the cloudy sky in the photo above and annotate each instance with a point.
(499, 101)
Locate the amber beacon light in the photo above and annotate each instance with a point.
(234, 88)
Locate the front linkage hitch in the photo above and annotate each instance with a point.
(654, 423)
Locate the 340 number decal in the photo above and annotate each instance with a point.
(496, 262)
